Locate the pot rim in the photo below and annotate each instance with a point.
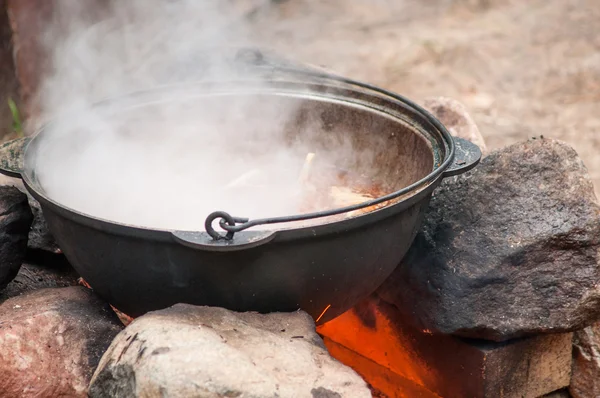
(429, 127)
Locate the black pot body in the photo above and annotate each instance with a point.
(322, 275)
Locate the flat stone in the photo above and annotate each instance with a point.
(442, 365)
(51, 341)
(455, 117)
(188, 351)
(15, 220)
(585, 381)
(508, 250)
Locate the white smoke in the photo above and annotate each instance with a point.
(165, 165)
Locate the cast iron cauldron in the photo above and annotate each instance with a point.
(324, 268)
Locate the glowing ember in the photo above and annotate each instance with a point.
(323, 313)
(124, 318)
(378, 347)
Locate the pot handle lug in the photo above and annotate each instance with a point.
(11, 157)
(466, 156)
(241, 241)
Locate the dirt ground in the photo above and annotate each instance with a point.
(523, 68)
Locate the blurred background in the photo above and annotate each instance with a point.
(523, 68)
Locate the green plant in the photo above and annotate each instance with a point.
(16, 116)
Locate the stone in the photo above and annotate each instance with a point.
(188, 351)
(15, 220)
(51, 341)
(40, 237)
(585, 381)
(455, 117)
(51, 274)
(508, 250)
(408, 362)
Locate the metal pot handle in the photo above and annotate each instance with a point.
(466, 156)
(11, 157)
(202, 240)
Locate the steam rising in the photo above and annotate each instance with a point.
(171, 162)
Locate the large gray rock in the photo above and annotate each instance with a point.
(585, 379)
(15, 220)
(51, 341)
(188, 351)
(508, 250)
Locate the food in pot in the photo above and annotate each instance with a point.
(133, 167)
(319, 190)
